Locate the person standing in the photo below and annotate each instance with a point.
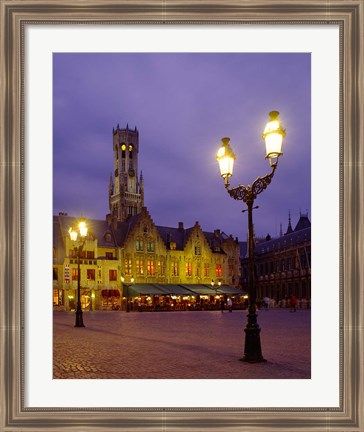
(230, 304)
(266, 302)
(222, 304)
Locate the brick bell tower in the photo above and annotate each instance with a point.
(126, 189)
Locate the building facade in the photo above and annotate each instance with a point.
(283, 264)
(128, 245)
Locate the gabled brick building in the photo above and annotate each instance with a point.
(129, 244)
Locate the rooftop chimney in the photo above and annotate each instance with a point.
(217, 232)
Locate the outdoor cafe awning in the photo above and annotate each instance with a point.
(226, 289)
(137, 290)
(200, 289)
(174, 289)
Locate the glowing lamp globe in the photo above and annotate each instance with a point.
(226, 157)
(83, 228)
(73, 234)
(273, 135)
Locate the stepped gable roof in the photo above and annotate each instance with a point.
(174, 235)
(120, 232)
(123, 229)
(180, 236)
(303, 222)
(215, 240)
(97, 228)
(288, 240)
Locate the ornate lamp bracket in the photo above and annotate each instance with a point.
(250, 192)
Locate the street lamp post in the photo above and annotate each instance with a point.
(216, 287)
(273, 136)
(79, 231)
(127, 290)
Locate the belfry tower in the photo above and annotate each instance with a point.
(126, 189)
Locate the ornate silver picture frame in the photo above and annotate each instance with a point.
(15, 16)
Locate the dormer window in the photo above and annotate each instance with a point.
(108, 237)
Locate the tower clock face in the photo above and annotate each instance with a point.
(131, 172)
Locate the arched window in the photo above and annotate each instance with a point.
(123, 150)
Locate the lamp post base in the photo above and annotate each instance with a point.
(252, 350)
(79, 318)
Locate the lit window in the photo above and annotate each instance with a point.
(112, 275)
(218, 270)
(206, 269)
(161, 267)
(139, 245)
(139, 266)
(128, 266)
(57, 297)
(72, 253)
(175, 268)
(150, 267)
(188, 269)
(74, 274)
(90, 274)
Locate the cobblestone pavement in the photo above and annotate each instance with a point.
(179, 345)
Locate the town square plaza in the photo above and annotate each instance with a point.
(180, 345)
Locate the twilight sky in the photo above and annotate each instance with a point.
(182, 105)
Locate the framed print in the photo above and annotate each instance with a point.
(72, 71)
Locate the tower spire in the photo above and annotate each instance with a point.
(126, 194)
(289, 228)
